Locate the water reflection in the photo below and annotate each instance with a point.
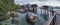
(22, 18)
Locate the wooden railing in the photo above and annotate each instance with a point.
(51, 20)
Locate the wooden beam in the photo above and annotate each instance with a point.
(49, 20)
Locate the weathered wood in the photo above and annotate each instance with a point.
(49, 20)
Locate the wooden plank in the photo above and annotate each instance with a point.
(49, 20)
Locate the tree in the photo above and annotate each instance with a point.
(5, 6)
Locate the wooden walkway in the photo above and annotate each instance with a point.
(57, 20)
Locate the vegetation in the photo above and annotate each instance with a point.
(5, 6)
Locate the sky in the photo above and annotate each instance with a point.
(39, 2)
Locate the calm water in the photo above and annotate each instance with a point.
(22, 20)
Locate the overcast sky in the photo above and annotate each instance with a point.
(39, 2)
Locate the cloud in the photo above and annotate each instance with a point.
(39, 2)
(53, 3)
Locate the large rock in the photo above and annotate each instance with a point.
(32, 18)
